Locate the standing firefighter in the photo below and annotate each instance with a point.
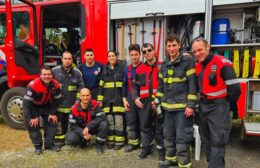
(110, 98)
(217, 86)
(177, 94)
(71, 81)
(42, 99)
(144, 90)
(86, 119)
(132, 119)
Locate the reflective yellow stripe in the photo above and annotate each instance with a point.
(119, 138)
(185, 166)
(101, 83)
(133, 142)
(106, 109)
(60, 137)
(78, 94)
(118, 109)
(192, 97)
(159, 94)
(170, 72)
(111, 138)
(100, 98)
(160, 75)
(119, 84)
(72, 88)
(112, 84)
(191, 71)
(172, 80)
(165, 80)
(173, 106)
(171, 158)
(63, 110)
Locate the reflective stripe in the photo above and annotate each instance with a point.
(217, 93)
(172, 80)
(101, 139)
(63, 110)
(106, 109)
(144, 91)
(78, 94)
(226, 61)
(116, 109)
(72, 120)
(100, 98)
(58, 96)
(159, 147)
(100, 114)
(111, 138)
(170, 72)
(133, 142)
(231, 82)
(159, 94)
(28, 98)
(160, 75)
(165, 80)
(171, 158)
(190, 72)
(119, 84)
(112, 84)
(101, 83)
(72, 88)
(192, 97)
(60, 137)
(119, 138)
(184, 166)
(154, 90)
(173, 106)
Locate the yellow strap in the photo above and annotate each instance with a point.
(119, 138)
(72, 88)
(257, 64)
(111, 138)
(171, 158)
(173, 106)
(192, 97)
(236, 63)
(59, 136)
(101, 83)
(63, 110)
(159, 94)
(100, 98)
(246, 64)
(190, 72)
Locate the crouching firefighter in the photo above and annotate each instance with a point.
(42, 99)
(87, 119)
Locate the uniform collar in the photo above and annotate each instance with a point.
(90, 105)
(207, 60)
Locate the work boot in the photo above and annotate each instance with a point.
(144, 153)
(110, 146)
(100, 149)
(38, 151)
(130, 147)
(118, 147)
(53, 148)
(167, 163)
(161, 155)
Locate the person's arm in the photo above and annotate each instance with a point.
(191, 79)
(98, 116)
(100, 96)
(80, 83)
(56, 94)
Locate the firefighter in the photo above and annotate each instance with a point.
(218, 86)
(41, 99)
(91, 72)
(110, 98)
(87, 119)
(71, 81)
(132, 126)
(177, 94)
(144, 90)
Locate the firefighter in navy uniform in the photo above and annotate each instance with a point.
(132, 119)
(110, 98)
(87, 119)
(71, 81)
(144, 91)
(42, 99)
(177, 94)
(218, 86)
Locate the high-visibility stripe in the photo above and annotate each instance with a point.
(217, 93)
(101, 83)
(226, 61)
(190, 72)
(72, 88)
(101, 139)
(100, 114)
(112, 84)
(63, 110)
(133, 142)
(192, 97)
(173, 106)
(72, 120)
(231, 82)
(173, 159)
(160, 75)
(144, 91)
(106, 109)
(58, 96)
(118, 109)
(159, 94)
(170, 72)
(78, 94)
(60, 137)
(172, 80)
(184, 166)
(100, 98)
(111, 138)
(28, 98)
(119, 138)
(119, 84)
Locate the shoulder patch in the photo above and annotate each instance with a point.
(29, 93)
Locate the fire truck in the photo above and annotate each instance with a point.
(33, 34)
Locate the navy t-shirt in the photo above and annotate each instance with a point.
(91, 75)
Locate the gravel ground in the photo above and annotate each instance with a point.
(16, 151)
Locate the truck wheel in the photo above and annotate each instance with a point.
(12, 107)
(243, 137)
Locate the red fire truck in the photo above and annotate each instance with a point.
(33, 34)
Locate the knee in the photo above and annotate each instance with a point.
(72, 139)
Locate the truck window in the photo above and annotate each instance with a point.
(2, 28)
(21, 25)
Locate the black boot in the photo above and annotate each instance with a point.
(52, 147)
(146, 152)
(130, 147)
(167, 163)
(99, 147)
(161, 155)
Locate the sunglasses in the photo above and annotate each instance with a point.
(147, 51)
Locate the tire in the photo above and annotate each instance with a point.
(243, 137)
(12, 109)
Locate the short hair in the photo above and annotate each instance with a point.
(112, 51)
(200, 39)
(67, 52)
(172, 38)
(88, 50)
(134, 47)
(145, 45)
(45, 68)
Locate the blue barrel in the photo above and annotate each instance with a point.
(220, 31)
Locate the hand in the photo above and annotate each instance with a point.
(53, 118)
(126, 105)
(100, 103)
(153, 105)
(188, 111)
(138, 103)
(86, 133)
(34, 122)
